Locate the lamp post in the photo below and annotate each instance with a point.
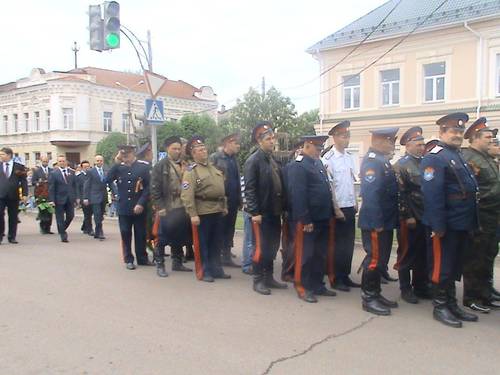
(129, 89)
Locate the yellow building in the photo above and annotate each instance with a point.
(420, 60)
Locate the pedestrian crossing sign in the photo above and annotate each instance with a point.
(154, 112)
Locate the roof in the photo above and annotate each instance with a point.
(405, 18)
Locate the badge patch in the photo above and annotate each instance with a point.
(185, 185)
(428, 173)
(370, 175)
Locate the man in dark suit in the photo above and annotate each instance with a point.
(40, 181)
(62, 194)
(81, 180)
(95, 195)
(12, 177)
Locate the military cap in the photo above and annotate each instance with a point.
(262, 128)
(341, 127)
(317, 140)
(479, 125)
(170, 140)
(387, 133)
(412, 134)
(430, 145)
(455, 120)
(194, 141)
(143, 149)
(126, 148)
(231, 138)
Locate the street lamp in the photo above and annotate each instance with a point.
(129, 89)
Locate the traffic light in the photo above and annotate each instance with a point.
(111, 24)
(96, 40)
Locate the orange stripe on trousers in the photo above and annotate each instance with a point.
(403, 244)
(436, 266)
(198, 266)
(258, 250)
(299, 248)
(155, 229)
(330, 258)
(375, 251)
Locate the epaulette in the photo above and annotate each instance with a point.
(143, 162)
(299, 158)
(436, 149)
(372, 155)
(190, 167)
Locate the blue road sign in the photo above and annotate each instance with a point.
(154, 112)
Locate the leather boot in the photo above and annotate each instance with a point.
(309, 297)
(178, 266)
(160, 270)
(408, 295)
(370, 287)
(258, 281)
(453, 306)
(441, 311)
(269, 280)
(227, 259)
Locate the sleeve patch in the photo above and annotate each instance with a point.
(436, 149)
(372, 155)
(370, 175)
(429, 174)
(185, 185)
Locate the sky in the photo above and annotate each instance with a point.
(228, 45)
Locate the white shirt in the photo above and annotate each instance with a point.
(9, 165)
(341, 166)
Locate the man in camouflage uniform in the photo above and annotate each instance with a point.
(480, 257)
(172, 225)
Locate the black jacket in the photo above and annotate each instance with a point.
(94, 189)
(229, 166)
(259, 191)
(17, 179)
(60, 190)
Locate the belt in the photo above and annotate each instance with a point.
(203, 198)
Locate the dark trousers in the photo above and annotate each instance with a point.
(98, 212)
(344, 243)
(173, 229)
(445, 257)
(314, 249)
(45, 219)
(137, 223)
(270, 233)
(412, 256)
(64, 216)
(210, 233)
(378, 250)
(87, 219)
(479, 260)
(229, 223)
(12, 206)
(288, 250)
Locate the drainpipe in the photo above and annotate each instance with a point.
(479, 78)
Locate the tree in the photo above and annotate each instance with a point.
(108, 147)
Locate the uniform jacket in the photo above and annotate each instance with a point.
(259, 190)
(203, 190)
(61, 190)
(94, 189)
(411, 200)
(229, 166)
(379, 192)
(17, 179)
(449, 190)
(166, 182)
(487, 176)
(309, 190)
(133, 185)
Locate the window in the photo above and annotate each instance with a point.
(107, 121)
(124, 122)
(67, 118)
(49, 156)
(6, 124)
(37, 121)
(26, 156)
(390, 86)
(47, 114)
(14, 121)
(351, 91)
(26, 122)
(37, 155)
(434, 81)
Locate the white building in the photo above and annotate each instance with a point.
(70, 112)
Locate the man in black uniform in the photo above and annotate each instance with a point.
(378, 218)
(449, 189)
(265, 197)
(81, 180)
(312, 210)
(412, 249)
(225, 161)
(132, 178)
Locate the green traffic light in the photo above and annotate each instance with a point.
(112, 40)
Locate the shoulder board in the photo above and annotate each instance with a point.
(372, 155)
(299, 158)
(143, 162)
(190, 167)
(436, 149)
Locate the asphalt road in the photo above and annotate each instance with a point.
(74, 309)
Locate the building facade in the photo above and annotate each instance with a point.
(70, 112)
(422, 62)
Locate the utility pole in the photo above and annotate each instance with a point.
(129, 119)
(154, 137)
(75, 49)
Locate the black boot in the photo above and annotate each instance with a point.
(178, 266)
(309, 297)
(370, 292)
(258, 280)
(442, 311)
(408, 295)
(269, 280)
(453, 306)
(227, 259)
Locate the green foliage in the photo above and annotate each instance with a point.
(108, 147)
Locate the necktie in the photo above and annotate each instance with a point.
(100, 173)
(64, 175)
